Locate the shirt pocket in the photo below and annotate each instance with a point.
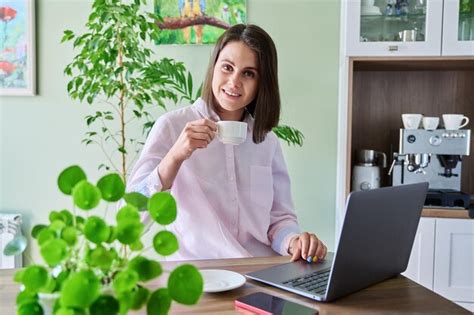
(261, 186)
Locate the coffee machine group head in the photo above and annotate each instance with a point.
(433, 156)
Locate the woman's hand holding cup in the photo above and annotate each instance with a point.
(196, 134)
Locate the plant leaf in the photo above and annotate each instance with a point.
(54, 251)
(165, 243)
(129, 232)
(86, 196)
(111, 187)
(137, 199)
(125, 281)
(146, 269)
(185, 284)
(34, 278)
(80, 290)
(69, 177)
(104, 305)
(96, 230)
(128, 213)
(162, 208)
(159, 302)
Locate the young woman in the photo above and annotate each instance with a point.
(233, 201)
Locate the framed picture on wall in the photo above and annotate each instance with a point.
(198, 21)
(17, 47)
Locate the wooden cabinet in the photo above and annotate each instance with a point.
(419, 28)
(442, 259)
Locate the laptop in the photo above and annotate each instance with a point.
(375, 244)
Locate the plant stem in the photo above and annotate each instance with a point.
(122, 111)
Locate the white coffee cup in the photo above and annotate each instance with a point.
(430, 123)
(411, 121)
(231, 132)
(454, 121)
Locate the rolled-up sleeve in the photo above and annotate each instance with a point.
(283, 221)
(144, 176)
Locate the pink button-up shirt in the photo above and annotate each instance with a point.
(233, 201)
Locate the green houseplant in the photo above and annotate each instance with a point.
(98, 268)
(115, 72)
(94, 267)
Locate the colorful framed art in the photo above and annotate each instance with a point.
(17, 47)
(198, 21)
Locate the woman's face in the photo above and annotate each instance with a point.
(235, 79)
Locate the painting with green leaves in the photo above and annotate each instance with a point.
(197, 21)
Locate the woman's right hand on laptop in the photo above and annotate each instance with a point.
(308, 247)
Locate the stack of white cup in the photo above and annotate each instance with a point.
(450, 121)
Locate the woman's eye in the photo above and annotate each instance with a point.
(249, 74)
(227, 67)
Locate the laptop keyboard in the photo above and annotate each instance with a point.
(315, 282)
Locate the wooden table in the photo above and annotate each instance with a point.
(394, 296)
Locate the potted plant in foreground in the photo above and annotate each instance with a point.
(93, 267)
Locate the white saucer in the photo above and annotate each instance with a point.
(217, 280)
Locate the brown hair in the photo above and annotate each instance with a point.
(265, 108)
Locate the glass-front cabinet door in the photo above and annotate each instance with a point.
(393, 27)
(458, 28)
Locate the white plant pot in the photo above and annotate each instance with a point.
(47, 300)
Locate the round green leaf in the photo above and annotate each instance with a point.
(19, 275)
(96, 230)
(25, 297)
(54, 251)
(159, 302)
(68, 217)
(45, 235)
(112, 234)
(185, 284)
(162, 208)
(136, 246)
(145, 268)
(57, 225)
(165, 243)
(128, 213)
(55, 215)
(32, 308)
(49, 286)
(37, 229)
(125, 281)
(101, 258)
(69, 311)
(34, 278)
(69, 234)
(86, 196)
(112, 187)
(136, 199)
(63, 275)
(80, 290)
(104, 305)
(128, 233)
(139, 297)
(69, 178)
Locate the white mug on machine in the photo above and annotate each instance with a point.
(454, 121)
(430, 123)
(411, 121)
(231, 132)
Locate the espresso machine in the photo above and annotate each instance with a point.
(433, 156)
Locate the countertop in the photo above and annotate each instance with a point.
(453, 213)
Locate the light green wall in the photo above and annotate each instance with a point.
(41, 135)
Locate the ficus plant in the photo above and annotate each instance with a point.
(115, 70)
(98, 268)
